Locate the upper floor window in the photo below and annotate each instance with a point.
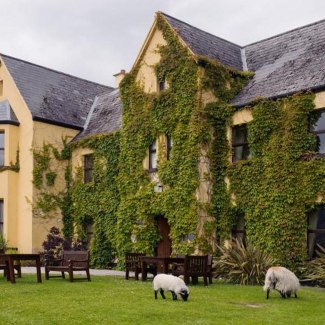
(162, 84)
(88, 168)
(318, 128)
(169, 141)
(153, 156)
(1, 87)
(1, 217)
(316, 230)
(2, 148)
(240, 147)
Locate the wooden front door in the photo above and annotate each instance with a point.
(164, 246)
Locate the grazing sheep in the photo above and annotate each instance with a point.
(167, 282)
(282, 280)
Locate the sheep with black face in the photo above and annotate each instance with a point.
(167, 282)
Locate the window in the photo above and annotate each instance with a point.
(240, 143)
(169, 141)
(153, 156)
(1, 87)
(88, 168)
(1, 217)
(239, 230)
(2, 148)
(162, 85)
(318, 128)
(316, 230)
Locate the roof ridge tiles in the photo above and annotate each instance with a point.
(56, 71)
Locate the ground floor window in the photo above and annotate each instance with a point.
(316, 230)
(238, 231)
(1, 217)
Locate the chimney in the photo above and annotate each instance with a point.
(119, 77)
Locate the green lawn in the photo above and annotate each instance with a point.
(113, 300)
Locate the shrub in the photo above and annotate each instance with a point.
(55, 243)
(242, 264)
(3, 244)
(314, 270)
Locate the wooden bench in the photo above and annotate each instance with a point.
(71, 261)
(194, 267)
(132, 263)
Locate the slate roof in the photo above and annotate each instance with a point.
(287, 63)
(205, 44)
(7, 115)
(52, 96)
(105, 115)
(284, 64)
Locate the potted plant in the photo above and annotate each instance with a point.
(3, 244)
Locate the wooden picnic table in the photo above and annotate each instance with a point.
(11, 258)
(161, 262)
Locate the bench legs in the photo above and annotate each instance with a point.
(46, 273)
(70, 272)
(71, 275)
(88, 274)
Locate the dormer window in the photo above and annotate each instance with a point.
(153, 157)
(169, 141)
(240, 147)
(2, 148)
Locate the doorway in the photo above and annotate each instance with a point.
(164, 246)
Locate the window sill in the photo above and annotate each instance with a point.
(12, 168)
(152, 170)
(312, 156)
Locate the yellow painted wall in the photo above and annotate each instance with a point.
(8, 183)
(146, 75)
(21, 229)
(320, 100)
(18, 186)
(44, 133)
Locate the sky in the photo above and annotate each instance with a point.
(94, 39)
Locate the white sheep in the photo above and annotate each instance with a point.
(167, 282)
(282, 280)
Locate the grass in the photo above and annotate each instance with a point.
(113, 300)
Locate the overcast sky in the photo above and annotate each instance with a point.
(94, 39)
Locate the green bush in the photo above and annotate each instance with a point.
(314, 270)
(243, 264)
(3, 244)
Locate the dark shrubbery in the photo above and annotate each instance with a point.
(55, 243)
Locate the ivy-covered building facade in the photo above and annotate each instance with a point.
(202, 140)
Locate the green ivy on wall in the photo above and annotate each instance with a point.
(177, 111)
(274, 188)
(277, 186)
(95, 203)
